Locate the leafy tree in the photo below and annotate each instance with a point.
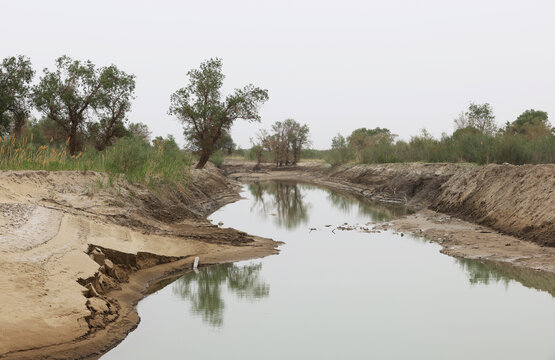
(297, 136)
(225, 143)
(531, 116)
(204, 115)
(339, 151)
(16, 75)
(76, 91)
(338, 142)
(480, 116)
(286, 142)
(531, 123)
(112, 106)
(362, 139)
(139, 130)
(461, 121)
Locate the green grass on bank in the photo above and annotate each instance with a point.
(136, 159)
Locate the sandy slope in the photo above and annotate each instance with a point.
(48, 224)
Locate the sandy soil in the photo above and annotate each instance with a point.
(513, 198)
(76, 254)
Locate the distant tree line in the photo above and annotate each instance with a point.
(528, 139)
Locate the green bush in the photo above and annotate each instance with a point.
(217, 158)
(465, 145)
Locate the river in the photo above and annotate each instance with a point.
(340, 290)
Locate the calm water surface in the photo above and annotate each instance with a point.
(333, 294)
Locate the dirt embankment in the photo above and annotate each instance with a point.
(514, 200)
(77, 251)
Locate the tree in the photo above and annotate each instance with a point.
(114, 101)
(531, 123)
(16, 75)
(139, 130)
(361, 139)
(297, 136)
(286, 142)
(480, 116)
(225, 143)
(461, 121)
(339, 151)
(204, 115)
(76, 91)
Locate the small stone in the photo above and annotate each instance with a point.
(508, 244)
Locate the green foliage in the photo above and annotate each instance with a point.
(112, 106)
(531, 123)
(362, 139)
(160, 163)
(139, 130)
(76, 91)
(16, 75)
(530, 116)
(286, 141)
(225, 143)
(465, 145)
(339, 153)
(478, 116)
(217, 158)
(202, 112)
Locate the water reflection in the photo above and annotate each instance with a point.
(204, 289)
(284, 200)
(489, 272)
(377, 212)
(287, 202)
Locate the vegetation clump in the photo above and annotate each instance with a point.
(530, 139)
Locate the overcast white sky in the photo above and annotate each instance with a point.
(334, 65)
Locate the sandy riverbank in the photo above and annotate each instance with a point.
(498, 212)
(78, 250)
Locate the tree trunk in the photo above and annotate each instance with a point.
(204, 156)
(19, 123)
(73, 140)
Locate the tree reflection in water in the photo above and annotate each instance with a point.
(378, 212)
(283, 199)
(204, 289)
(489, 272)
(286, 201)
